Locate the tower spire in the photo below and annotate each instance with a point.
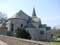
(34, 13)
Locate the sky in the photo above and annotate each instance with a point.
(47, 10)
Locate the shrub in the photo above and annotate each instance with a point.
(22, 33)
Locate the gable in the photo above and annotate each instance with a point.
(21, 15)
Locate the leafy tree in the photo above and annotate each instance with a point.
(56, 33)
(22, 33)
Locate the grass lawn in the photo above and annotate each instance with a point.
(54, 43)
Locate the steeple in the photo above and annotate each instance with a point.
(34, 13)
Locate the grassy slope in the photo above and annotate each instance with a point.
(54, 43)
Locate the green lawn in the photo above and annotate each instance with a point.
(54, 43)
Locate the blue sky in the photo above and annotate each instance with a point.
(47, 10)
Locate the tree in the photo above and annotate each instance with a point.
(3, 17)
(56, 33)
(22, 33)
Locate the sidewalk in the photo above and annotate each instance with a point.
(3, 43)
(43, 43)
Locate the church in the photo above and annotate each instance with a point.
(37, 30)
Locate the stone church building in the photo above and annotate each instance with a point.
(37, 30)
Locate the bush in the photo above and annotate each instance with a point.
(22, 33)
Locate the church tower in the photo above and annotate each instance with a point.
(35, 20)
(34, 13)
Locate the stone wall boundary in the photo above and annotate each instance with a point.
(18, 41)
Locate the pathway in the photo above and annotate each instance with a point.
(43, 43)
(3, 43)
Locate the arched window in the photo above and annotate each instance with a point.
(12, 27)
(21, 25)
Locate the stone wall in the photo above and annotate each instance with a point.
(16, 23)
(18, 41)
(35, 34)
